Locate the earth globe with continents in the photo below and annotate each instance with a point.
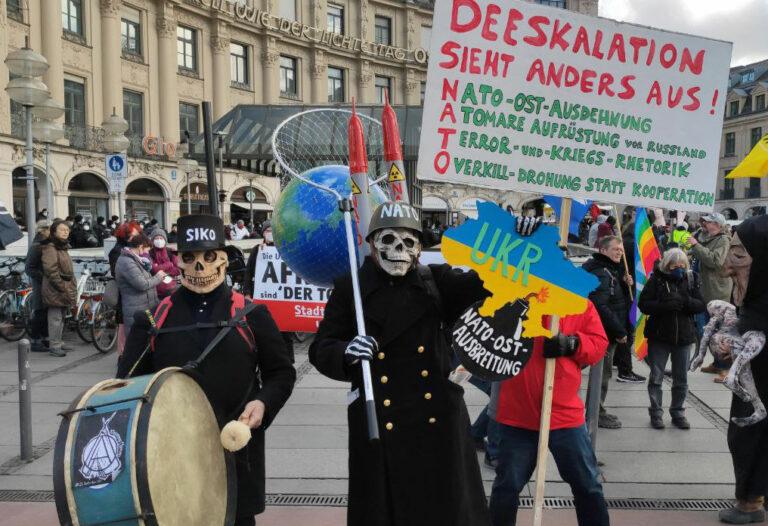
(309, 227)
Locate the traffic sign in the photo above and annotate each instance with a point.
(117, 171)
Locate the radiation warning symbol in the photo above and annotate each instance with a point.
(355, 188)
(396, 174)
(100, 458)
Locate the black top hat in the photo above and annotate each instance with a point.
(200, 232)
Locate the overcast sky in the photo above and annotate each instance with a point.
(743, 22)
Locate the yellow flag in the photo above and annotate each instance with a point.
(755, 164)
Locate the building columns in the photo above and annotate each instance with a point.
(319, 78)
(5, 116)
(168, 68)
(221, 73)
(52, 48)
(269, 59)
(111, 58)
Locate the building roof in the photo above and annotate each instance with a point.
(738, 79)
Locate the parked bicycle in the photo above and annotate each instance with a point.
(89, 285)
(104, 321)
(14, 307)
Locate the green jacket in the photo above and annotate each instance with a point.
(711, 252)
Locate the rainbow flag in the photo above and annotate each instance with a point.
(646, 255)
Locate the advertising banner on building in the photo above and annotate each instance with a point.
(526, 97)
(295, 304)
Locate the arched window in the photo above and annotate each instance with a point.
(88, 196)
(145, 200)
(730, 214)
(198, 199)
(249, 204)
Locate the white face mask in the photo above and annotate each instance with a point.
(159, 243)
(86, 227)
(268, 237)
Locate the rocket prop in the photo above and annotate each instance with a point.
(393, 154)
(358, 170)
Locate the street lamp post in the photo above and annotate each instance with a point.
(187, 166)
(28, 91)
(47, 131)
(115, 141)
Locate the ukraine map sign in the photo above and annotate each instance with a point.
(513, 267)
(526, 97)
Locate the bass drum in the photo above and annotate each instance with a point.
(143, 451)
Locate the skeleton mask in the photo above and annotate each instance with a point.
(203, 271)
(396, 250)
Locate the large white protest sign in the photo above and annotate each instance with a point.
(526, 97)
(296, 305)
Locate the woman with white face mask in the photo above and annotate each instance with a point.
(165, 260)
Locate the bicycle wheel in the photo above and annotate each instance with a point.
(84, 321)
(12, 325)
(104, 327)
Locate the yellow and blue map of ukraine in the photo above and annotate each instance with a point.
(512, 267)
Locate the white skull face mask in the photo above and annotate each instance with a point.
(204, 270)
(396, 250)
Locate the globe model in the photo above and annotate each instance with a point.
(308, 226)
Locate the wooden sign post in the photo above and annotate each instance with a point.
(549, 386)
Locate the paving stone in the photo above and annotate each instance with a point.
(307, 437)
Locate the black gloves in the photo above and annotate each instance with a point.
(560, 345)
(360, 348)
(526, 226)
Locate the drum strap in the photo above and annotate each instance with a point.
(239, 315)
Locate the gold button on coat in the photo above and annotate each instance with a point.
(427, 396)
(387, 402)
(384, 379)
(381, 355)
(424, 373)
(389, 426)
(432, 420)
(420, 349)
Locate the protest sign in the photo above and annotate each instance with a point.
(525, 97)
(512, 267)
(493, 347)
(296, 305)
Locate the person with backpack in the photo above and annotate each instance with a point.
(671, 298)
(165, 260)
(243, 364)
(611, 298)
(424, 470)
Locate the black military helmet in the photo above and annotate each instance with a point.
(200, 232)
(394, 215)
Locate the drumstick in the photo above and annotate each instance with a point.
(235, 435)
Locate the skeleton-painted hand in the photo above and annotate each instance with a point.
(526, 226)
(360, 348)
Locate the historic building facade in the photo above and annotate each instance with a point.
(746, 121)
(154, 62)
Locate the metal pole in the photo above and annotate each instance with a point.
(30, 180)
(49, 183)
(250, 199)
(25, 401)
(189, 197)
(209, 161)
(345, 205)
(221, 172)
(121, 205)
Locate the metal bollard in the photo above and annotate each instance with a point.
(25, 401)
(593, 400)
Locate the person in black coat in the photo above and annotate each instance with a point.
(38, 324)
(611, 298)
(424, 470)
(244, 380)
(749, 444)
(670, 298)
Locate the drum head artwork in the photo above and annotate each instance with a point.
(186, 465)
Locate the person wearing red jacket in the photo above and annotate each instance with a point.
(516, 406)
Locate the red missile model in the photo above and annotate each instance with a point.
(358, 171)
(393, 154)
